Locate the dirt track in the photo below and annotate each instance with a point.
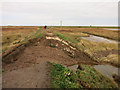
(35, 76)
(30, 69)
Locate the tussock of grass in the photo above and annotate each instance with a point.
(112, 58)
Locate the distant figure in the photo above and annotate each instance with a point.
(45, 27)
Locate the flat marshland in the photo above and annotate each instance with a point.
(100, 51)
(110, 34)
(12, 35)
(58, 57)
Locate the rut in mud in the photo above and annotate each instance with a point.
(25, 66)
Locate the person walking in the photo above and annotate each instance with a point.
(45, 27)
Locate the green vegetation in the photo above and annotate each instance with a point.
(35, 35)
(73, 40)
(62, 77)
(40, 35)
(67, 37)
(94, 79)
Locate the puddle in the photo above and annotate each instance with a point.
(111, 29)
(99, 39)
(107, 70)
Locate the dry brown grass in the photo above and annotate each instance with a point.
(11, 35)
(111, 34)
(90, 47)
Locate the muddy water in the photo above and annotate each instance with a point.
(99, 39)
(107, 70)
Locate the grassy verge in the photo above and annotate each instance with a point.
(68, 39)
(62, 77)
(72, 39)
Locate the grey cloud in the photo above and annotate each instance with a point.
(95, 13)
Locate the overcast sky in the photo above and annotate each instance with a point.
(51, 12)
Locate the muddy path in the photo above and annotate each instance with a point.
(35, 76)
(25, 66)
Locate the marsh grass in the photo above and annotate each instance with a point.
(110, 34)
(89, 47)
(92, 47)
(112, 58)
(80, 34)
(13, 35)
(12, 39)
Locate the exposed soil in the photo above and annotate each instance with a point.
(35, 76)
(25, 66)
